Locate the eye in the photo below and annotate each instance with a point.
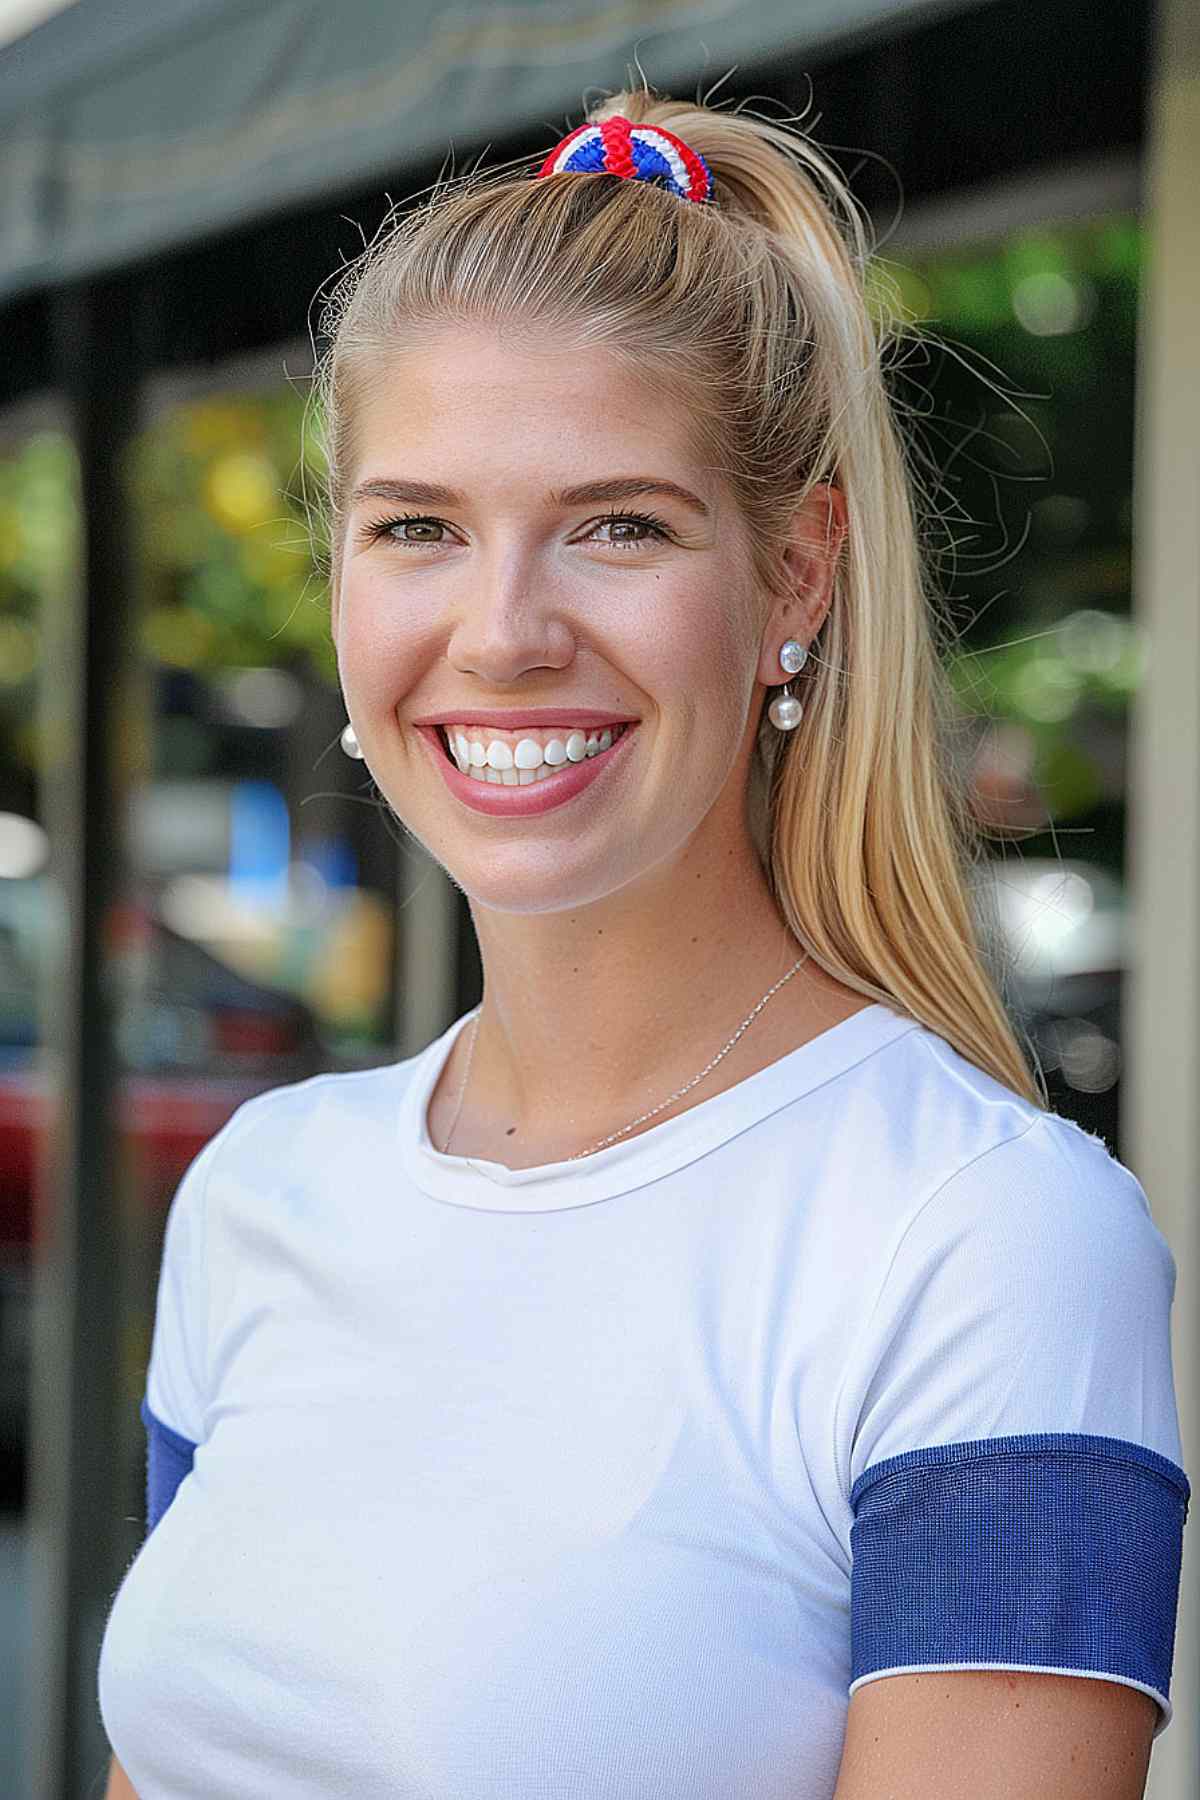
(375, 529)
(649, 521)
(417, 529)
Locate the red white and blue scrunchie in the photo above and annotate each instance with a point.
(634, 152)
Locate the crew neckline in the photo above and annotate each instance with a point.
(631, 1162)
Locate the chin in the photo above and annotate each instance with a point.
(531, 894)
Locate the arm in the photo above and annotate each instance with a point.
(996, 1734)
(1015, 1483)
(119, 1785)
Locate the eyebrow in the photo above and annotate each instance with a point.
(616, 488)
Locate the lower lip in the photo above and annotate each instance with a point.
(536, 796)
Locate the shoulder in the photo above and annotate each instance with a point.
(311, 1121)
(962, 1151)
(1016, 1280)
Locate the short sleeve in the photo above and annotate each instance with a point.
(1015, 1473)
(172, 1408)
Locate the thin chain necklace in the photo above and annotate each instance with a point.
(641, 1120)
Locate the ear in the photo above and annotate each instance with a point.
(810, 559)
(335, 595)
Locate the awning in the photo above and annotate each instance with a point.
(125, 130)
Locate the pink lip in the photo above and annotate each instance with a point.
(534, 716)
(537, 796)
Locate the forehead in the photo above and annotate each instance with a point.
(463, 401)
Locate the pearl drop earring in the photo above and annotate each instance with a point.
(785, 710)
(350, 743)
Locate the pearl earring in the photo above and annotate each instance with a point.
(785, 710)
(350, 742)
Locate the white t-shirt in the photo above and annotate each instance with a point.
(612, 1479)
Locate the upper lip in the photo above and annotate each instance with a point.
(535, 716)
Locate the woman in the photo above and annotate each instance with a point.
(717, 1321)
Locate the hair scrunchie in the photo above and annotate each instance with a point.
(635, 153)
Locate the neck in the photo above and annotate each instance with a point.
(592, 1016)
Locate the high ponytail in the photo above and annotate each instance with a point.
(754, 312)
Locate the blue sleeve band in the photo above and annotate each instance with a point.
(1057, 1551)
(168, 1459)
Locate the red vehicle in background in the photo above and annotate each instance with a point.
(195, 1038)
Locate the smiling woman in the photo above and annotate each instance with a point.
(708, 1368)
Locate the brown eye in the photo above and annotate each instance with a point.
(635, 529)
(402, 530)
(412, 528)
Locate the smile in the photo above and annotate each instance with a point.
(516, 774)
(512, 760)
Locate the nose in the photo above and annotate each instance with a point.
(509, 622)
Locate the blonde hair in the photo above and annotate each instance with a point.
(753, 312)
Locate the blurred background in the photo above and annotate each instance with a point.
(201, 896)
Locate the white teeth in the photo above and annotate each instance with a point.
(512, 777)
(511, 765)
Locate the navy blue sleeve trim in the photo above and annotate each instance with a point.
(168, 1459)
(1058, 1551)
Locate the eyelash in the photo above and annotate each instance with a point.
(376, 530)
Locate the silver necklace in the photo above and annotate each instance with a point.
(641, 1119)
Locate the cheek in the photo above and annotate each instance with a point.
(712, 675)
(378, 640)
